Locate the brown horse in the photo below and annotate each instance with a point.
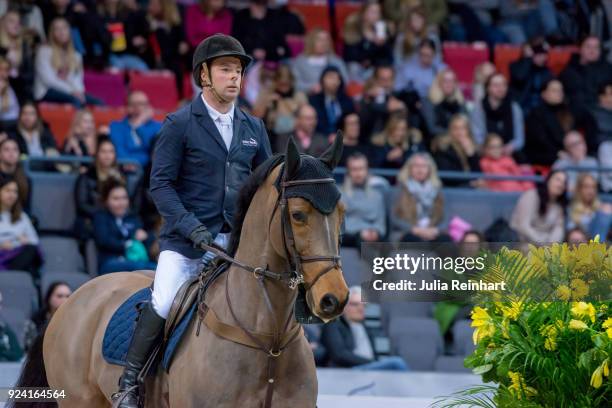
(208, 370)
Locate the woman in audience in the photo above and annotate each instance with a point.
(481, 73)
(82, 136)
(9, 104)
(415, 30)
(575, 237)
(574, 155)
(445, 101)
(547, 124)
(206, 18)
(331, 102)
(318, 54)
(278, 103)
(350, 126)
(56, 295)
(419, 211)
(18, 238)
(456, 151)
(397, 142)
(59, 69)
(418, 73)
(539, 215)
(11, 167)
(587, 212)
(33, 138)
(167, 46)
(122, 242)
(498, 114)
(129, 31)
(368, 41)
(495, 162)
(89, 185)
(18, 50)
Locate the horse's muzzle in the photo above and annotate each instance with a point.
(330, 306)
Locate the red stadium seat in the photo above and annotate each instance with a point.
(313, 15)
(354, 89)
(59, 118)
(104, 115)
(463, 58)
(559, 57)
(343, 10)
(505, 54)
(187, 86)
(108, 86)
(160, 87)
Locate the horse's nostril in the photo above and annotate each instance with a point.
(329, 304)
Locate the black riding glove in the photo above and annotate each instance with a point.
(201, 236)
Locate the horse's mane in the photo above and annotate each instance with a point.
(245, 196)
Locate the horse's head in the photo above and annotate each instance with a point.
(309, 219)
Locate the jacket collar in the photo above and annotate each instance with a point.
(198, 108)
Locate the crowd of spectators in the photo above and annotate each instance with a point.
(381, 78)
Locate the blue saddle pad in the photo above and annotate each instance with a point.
(120, 330)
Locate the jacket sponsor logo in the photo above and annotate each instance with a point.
(250, 142)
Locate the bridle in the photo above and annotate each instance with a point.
(293, 276)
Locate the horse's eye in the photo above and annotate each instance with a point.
(299, 216)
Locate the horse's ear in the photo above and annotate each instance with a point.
(331, 157)
(293, 160)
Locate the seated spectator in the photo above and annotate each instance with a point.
(445, 101)
(419, 210)
(348, 342)
(584, 74)
(368, 41)
(365, 216)
(318, 53)
(18, 238)
(30, 15)
(456, 151)
(547, 125)
(17, 48)
(481, 73)
(122, 243)
(415, 30)
(10, 350)
(521, 20)
(81, 139)
(418, 73)
(602, 115)
(133, 136)
(587, 212)
(351, 130)
(575, 237)
(539, 215)
(128, 28)
(574, 155)
(59, 69)
(278, 103)
(331, 102)
(313, 335)
(11, 167)
(167, 48)
(435, 10)
(256, 29)
(307, 139)
(89, 185)
(56, 295)
(495, 162)
(33, 138)
(206, 18)
(498, 114)
(396, 143)
(9, 104)
(290, 22)
(529, 74)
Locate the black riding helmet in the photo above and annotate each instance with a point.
(215, 46)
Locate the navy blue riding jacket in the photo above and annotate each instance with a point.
(194, 179)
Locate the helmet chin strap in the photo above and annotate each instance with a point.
(209, 84)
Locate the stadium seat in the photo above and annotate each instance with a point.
(462, 338)
(343, 10)
(160, 87)
(61, 254)
(352, 266)
(313, 15)
(417, 340)
(91, 257)
(59, 118)
(52, 196)
(74, 280)
(296, 44)
(16, 319)
(108, 86)
(354, 89)
(104, 115)
(399, 309)
(559, 57)
(479, 207)
(463, 58)
(18, 291)
(504, 55)
(450, 364)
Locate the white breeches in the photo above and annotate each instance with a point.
(174, 269)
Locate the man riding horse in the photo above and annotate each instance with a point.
(205, 151)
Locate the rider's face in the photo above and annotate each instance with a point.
(226, 73)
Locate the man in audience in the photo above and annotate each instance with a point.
(365, 216)
(602, 114)
(305, 135)
(133, 136)
(10, 350)
(529, 74)
(348, 342)
(573, 155)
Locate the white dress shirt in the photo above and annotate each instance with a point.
(223, 121)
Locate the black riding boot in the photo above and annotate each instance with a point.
(148, 331)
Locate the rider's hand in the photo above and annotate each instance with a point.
(201, 236)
